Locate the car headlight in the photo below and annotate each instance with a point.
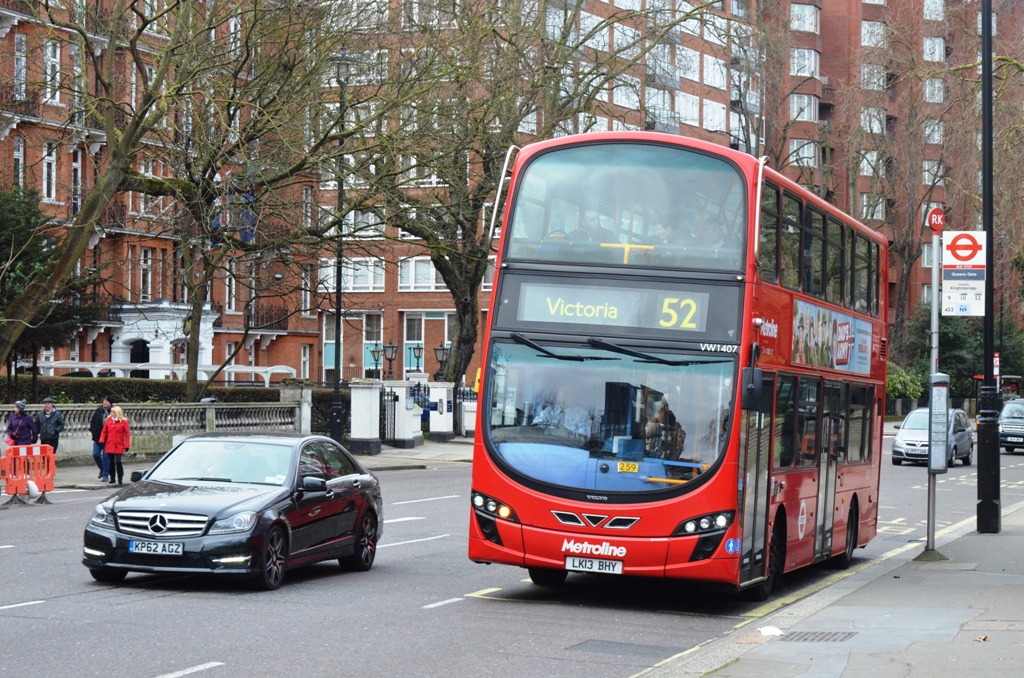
(240, 522)
(1000, 428)
(101, 516)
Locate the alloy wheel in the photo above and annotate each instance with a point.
(368, 540)
(273, 562)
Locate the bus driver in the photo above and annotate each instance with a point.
(563, 413)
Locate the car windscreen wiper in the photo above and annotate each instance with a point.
(209, 480)
(615, 348)
(518, 338)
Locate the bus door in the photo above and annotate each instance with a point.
(755, 456)
(833, 410)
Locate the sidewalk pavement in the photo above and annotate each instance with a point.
(890, 617)
(458, 450)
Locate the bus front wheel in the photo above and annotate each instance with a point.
(776, 560)
(542, 576)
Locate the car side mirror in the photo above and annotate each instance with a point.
(751, 388)
(314, 484)
(137, 475)
(899, 426)
(959, 429)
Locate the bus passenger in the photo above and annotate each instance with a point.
(591, 230)
(564, 414)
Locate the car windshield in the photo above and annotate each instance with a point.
(917, 421)
(236, 461)
(1012, 411)
(602, 420)
(630, 205)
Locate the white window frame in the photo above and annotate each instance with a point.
(872, 119)
(803, 153)
(873, 34)
(230, 289)
(145, 274)
(51, 71)
(934, 10)
(932, 173)
(715, 73)
(688, 108)
(304, 361)
(926, 255)
(934, 49)
(19, 161)
(805, 18)
(871, 164)
(872, 207)
(306, 290)
(872, 77)
(804, 62)
(374, 271)
(487, 283)
(934, 90)
(20, 66)
(933, 131)
(714, 116)
(229, 360)
(803, 107)
(688, 63)
(49, 192)
(408, 268)
(76, 179)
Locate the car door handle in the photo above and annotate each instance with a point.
(330, 493)
(356, 484)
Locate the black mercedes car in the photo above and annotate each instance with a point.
(239, 505)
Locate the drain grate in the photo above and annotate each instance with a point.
(818, 636)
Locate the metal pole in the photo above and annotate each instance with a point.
(989, 509)
(337, 411)
(932, 481)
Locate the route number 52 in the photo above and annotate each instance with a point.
(670, 317)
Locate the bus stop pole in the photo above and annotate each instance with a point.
(932, 481)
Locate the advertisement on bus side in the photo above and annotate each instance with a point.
(826, 338)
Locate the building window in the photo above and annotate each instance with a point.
(19, 162)
(804, 62)
(372, 338)
(419, 275)
(363, 224)
(926, 255)
(235, 36)
(872, 76)
(688, 63)
(146, 274)
(803, 107)
(872, 34)
(50, 172)
(304, 362)
(935, 49)
(358, 275)
(413, 339)
(306, 289)
(803, 153)
(688, 108)
(229, 360)
(981, 24)
(872, 207)
(76, 181)
(51, 72)
(803, 18)
(935, 10)
(872, 120)
(873, 2)
(307, 207)
(230, 287)
(714, 72)
(934, 91)
(932, 173)
(20, 66)
(74, 349)
(714, 116)
(871, 164)
(933, 131)
(488, 282)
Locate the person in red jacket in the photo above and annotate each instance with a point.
(116, 439)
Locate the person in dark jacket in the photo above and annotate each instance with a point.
(99, 417)
(50, 423)
(116, 439)
(21, 429)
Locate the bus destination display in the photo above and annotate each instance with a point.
(614, 306)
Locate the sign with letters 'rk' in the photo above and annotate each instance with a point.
(963, 273)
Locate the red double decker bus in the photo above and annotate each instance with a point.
(684, 368)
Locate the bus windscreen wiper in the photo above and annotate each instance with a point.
(518, 338)
(615, 348)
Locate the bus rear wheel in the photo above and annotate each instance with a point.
(843, 560)
(542, 576)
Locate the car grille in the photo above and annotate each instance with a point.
(916, 443)
(178, 524)
(1012, 428)
(123, 557)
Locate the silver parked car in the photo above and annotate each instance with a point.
(911, 442)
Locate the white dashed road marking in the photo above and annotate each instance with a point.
(443, 602)
(416, 501)
(412, 541)
(191, 670)
(31, 602)
(401, 520)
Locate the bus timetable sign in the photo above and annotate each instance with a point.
(938, 423)
(963, 273)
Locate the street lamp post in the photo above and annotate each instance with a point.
(390, 351)
(441, 353)
(341, 63)
(989, 518)
(417, 352)
(376, 352)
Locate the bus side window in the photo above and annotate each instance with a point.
(875, 278)
(839, 411)
(857, 429)
(807, 422)
(768, 256)
(784, 424)
(789, 255)
(813, 253)
(869, 418)
(861, 291)
(848, 266)
(834, 270)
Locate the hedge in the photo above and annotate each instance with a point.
(76, 390)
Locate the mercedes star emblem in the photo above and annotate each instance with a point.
(158, 524)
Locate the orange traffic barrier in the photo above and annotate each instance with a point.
(22, 464)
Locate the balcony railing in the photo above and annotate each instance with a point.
(23, 102)
(266, 317)
(20, 6)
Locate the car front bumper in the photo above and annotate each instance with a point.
(907, 453)
(108, 549)
(1011, 439)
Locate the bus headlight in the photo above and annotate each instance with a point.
(711, 522)
(491, 507)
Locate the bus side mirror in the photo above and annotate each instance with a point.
(751, 388)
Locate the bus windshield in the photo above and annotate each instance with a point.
(597, 420)
(630, 204)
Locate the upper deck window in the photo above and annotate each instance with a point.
(630, 204)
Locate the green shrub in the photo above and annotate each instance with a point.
(79, 390)
(901, 383)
